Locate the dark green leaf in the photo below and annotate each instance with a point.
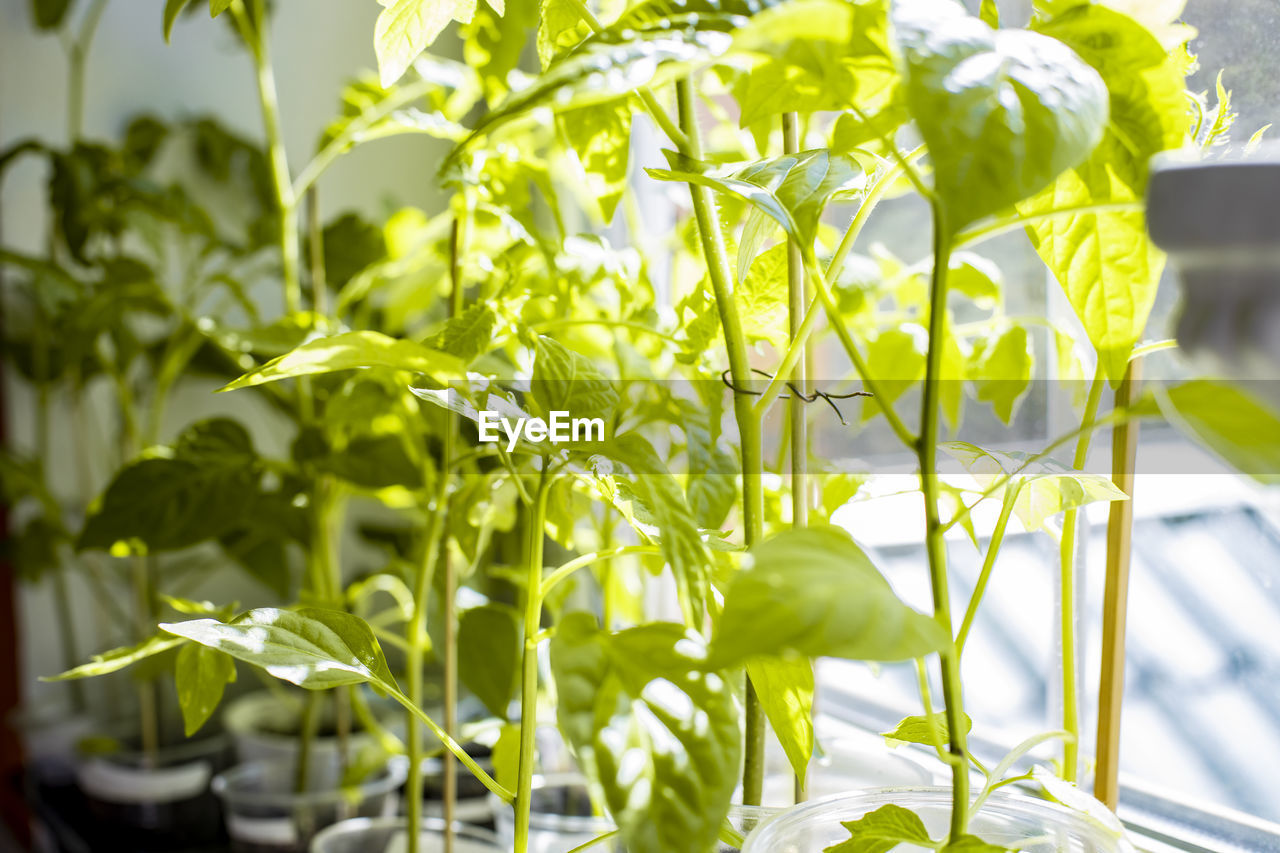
(310, 647)
(49, 14)
(489, 654)
(375, 462)
(815, 593)
(1105, 261)
(351, 351)
(350, 244)
(660, 739)
(784, 687)
(1003, 112)
(201, 675)
(883, 830)
(1231, 421)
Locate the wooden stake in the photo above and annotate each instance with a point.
(1124, 453)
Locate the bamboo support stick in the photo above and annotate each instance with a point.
(1124, 452)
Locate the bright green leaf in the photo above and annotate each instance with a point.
(973, 844)
(49, 14)
(815, 593)
(659, 738)
(1229, 420)
(1105, 261)
(1046, 487)
(172, 8)
(883, 830)
(1003, 112)
(601, 137)
(310, 647)
(762, 298)
(492, 44)
(1000, 369)
(793, 190)
(405, 28)
(201, 675)
(928, 730)
(566, 381)
(118, 659)
(351, 351)
(489, 654)
(467, 336)
(784, 687)
(217, 7)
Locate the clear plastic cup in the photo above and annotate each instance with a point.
(1008, 820)
(391, 835)
(264, 813)
(561, 817)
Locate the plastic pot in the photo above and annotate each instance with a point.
(391, 834)
(264, 728)
(561, 817)
(473, 797)
(265, 814)
(1008, 820)
(164, 806)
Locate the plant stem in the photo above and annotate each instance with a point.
(927, 453)
(529, 668)
(144, 614)
(255, 36)
(1124, 452)
(1067, 591)
(993, 550)
(797, 305)
(77, 55)
(306, 738)
(748, 421)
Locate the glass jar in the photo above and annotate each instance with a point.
(1009, 820)
(264, 814)
(561, 817)
(391, 835)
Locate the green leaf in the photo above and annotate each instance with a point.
(117, 659)
(375, 462)
(310, 647)
(822, 55)
(896, 358)
(973, 844)
(467, 336)
(793, 190)
(630, 461)
(172, 8)
(201, 675)
(1046, 487)
(784, 687)
(405, 28)
(762, 298)
(989, 12)
(1079, 801)
(49, 14)
(883, 830)
(928, 730)
(1000, 368)
(560, 29)
(492, 44)
(1230, 421)
(506, 756)
(601, 137)
(1105, 262)
(975, 277)
(217, 7)
(351, 351)
(712, 485)
(489, 654)
(1003, 112)
(167, 503)
(566, 381)
(658, 738)
(815, 593)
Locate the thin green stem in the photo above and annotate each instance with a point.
(254, 33)
(1067, 593)
(77, 57)
(563, 572)
(529, 668)
(988, 564)
(307, 727)
(1153, 347)
(935, 544)
(450, 744)
(748, 421)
